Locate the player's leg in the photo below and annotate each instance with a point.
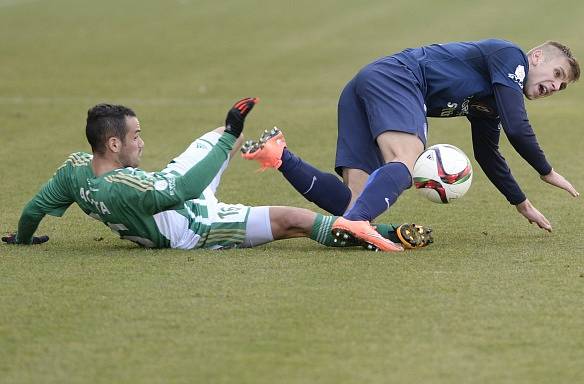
(355, 179)
(324, 189)
(395, 111)
(290, 222)
(229, 226)
(265, 224)
(357, 153)
(400, 151)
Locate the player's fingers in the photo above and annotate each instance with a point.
(247, 107)
(240, 103)
(571, 190)
(250, 104)
(561, 182)
(544, 223)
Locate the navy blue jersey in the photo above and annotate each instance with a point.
(458, 78)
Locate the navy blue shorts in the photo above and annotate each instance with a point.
(383, 96)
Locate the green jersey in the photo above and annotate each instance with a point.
(140, 206)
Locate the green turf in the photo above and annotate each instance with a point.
(494, 300)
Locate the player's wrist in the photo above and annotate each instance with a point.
(230, 132)
(227, 140)
(523, 205)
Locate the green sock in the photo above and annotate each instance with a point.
(387, 231)
(321, 229)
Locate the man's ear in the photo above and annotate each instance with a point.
(537, 56)
(114, 144)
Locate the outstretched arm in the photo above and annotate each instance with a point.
(485, 138)
(514, 119)
(195, 180)
(170, 191)
(53, 199)
(29, 221)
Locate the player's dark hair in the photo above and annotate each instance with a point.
(105, 121)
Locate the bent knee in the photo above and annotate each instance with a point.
(400, 147)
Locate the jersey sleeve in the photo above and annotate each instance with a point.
(508, 66)
(157, 192)
(514, 119)
(52, 199)
(485, 141)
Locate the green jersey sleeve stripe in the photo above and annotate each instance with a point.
(141, 180)
(130, 183)
(144, 183)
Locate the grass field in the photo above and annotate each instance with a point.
(493, 300)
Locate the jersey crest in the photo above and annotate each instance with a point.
(518, 76)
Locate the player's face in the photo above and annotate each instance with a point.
(546, 77)
(133, 144)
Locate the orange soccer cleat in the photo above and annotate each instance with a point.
(362, 233)
(267, 150)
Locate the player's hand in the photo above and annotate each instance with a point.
(11, 239)
(559, 181)
(533, 215)
(236, 115)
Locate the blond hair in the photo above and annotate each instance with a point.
(553, 48)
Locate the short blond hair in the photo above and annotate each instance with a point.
(554, 48)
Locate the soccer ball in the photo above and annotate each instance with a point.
(442, 173)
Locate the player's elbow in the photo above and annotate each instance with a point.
(515, 138)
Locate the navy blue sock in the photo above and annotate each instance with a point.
(324, 189)
(382, 189)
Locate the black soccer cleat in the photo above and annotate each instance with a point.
(414, 236)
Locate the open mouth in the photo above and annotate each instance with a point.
(543, 91)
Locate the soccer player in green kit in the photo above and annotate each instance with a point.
(176, 207)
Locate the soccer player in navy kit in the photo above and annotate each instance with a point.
(382, 124)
